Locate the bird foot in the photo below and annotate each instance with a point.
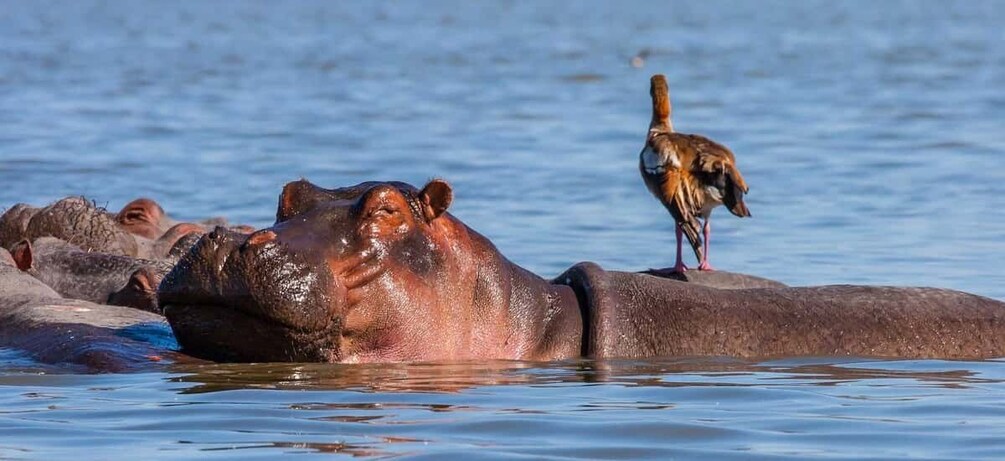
(705, 266)
(679, 268)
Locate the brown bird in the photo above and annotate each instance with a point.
(689, 174)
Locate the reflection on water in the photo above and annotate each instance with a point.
(717, 408)
(870, 133)
(463, 376)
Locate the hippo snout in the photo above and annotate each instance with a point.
(256, 289)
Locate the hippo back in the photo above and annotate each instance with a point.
(638, 315)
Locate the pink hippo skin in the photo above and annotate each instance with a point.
(144, 217)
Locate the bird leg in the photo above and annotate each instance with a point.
(679, 265)
(707, 231)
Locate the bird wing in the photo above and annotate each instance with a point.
(677, 188)
(715, 165)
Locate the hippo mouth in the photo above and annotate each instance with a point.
(222, 302)
(223, 332)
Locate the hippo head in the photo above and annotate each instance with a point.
(14, 222)
(144, 217)
(82, 223)
(372, 272)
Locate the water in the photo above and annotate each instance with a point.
(871, 135)
(654, 409)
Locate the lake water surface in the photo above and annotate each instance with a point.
(872, 135)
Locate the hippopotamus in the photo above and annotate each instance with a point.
(146, 218)
(183, 244)
(141, 229)
(79, 334)
(14, 223)
(6, 259)
(381, 272)
(72, 219)
(92, 276)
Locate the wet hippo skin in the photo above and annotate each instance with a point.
(635, 315)
(93, 337)
(145, 218)
(81, 223)
(716, 279)
(14, 223)
(362, 274)
(92, 276)
(381, 272)
(5, 258)
(140, 230)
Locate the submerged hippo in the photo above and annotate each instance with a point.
(381, 272)
(95, 337)
(14, 223)
(146, 218)
(72, 219)
(92, 276)
(140, 230)
(81, 223)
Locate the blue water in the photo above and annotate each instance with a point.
(871, 134)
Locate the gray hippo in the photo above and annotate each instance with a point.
(78, 334)
(72, 219)
(146, 218)
(141, 229)
(92, 276)
(380, 272)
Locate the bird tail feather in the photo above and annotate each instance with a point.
(692, 230)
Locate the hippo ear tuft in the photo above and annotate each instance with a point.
(22, 254)
(436, 198)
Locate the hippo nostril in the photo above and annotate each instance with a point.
(260, 237)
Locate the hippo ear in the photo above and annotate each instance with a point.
(436, 198)
(143, 279)
(21, 252)
(299, 197)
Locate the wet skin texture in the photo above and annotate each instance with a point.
(146, 218)
(81, 223)
(75, 333)
(380, 272)
(373, 272)
(141, 229)
(14, 223)
(637, 315)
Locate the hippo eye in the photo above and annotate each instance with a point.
(135, 216)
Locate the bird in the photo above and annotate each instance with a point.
(690, 174)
